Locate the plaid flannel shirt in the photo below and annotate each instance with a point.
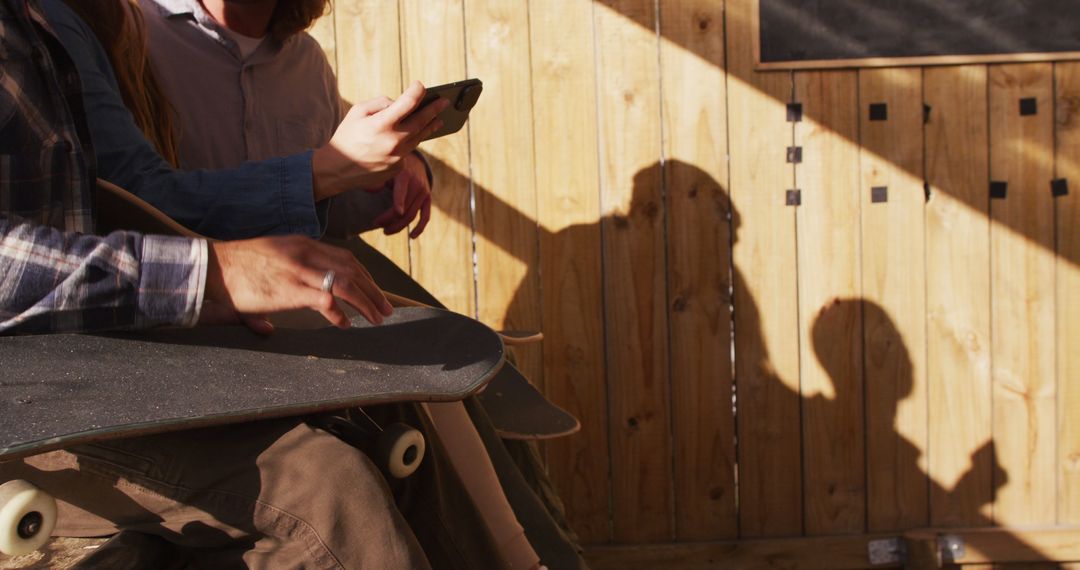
(54, 275)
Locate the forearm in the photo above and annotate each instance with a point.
(267, 197)
(51, 281)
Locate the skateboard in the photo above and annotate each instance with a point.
(516, 408)
(62, 390)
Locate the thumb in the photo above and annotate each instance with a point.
(216, 314)
(258, 324)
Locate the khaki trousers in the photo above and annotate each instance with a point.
(269, 494)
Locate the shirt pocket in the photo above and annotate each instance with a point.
(38, 180)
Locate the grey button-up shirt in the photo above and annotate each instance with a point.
(281, 100)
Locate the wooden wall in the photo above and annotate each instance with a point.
(901, 348)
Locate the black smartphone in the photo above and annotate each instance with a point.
(462, 96)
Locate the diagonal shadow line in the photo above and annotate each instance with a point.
(735, 21)
(1012, 223)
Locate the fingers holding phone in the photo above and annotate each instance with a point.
(369, 145)
(460, 96)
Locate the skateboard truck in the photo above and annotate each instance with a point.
(398, 449)
(27, 517)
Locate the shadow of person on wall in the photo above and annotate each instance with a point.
(770, 488)
(893, 470)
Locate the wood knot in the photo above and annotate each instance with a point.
(679, 303)
(1068, 109)
(574, 354)
(704, 22)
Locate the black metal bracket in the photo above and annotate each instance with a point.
(794, 112)
(1059, 187)
(794, 197)
(794, 154)
(879, 194)
(998, 189)
(879, 112)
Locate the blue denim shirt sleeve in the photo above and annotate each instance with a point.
(265, 197)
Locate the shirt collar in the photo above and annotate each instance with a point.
(194, 10)
(178, 7)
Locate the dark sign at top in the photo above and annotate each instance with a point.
(855, 33)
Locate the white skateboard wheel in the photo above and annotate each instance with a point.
(400, 450)
(27, 517)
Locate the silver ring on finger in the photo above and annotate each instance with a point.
(328, 281)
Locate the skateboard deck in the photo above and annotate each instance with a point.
(65, 389)
(516, 408)
(519, 411)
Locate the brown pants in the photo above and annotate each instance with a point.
(270, 494)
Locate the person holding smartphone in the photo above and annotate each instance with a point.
(247, 84)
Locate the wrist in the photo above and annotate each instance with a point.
(328, 170)
(215, 275)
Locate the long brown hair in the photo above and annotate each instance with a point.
(118, 25)
(294, 16)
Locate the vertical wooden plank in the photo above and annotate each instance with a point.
(764, 283)
(699, 267)
(960, 457)
(369, 65)
(894, 288)
(833, 439)
(433, 44)
(1022, 294)
(1068, 292)
(634, 269)
(568, 210)
(501, 144)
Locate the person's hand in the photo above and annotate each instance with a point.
(370, 145)
(272, 274)
(412, 195)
